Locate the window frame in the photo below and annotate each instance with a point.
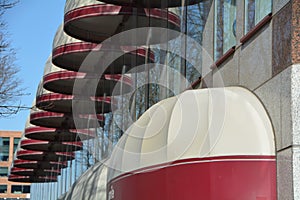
(255, 21)
(232, 25)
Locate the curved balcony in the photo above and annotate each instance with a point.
(64, 121)
(153, 3)
(62, 81)
(94, 21)
(34, 164)
(45, 156)
(56, 134)
(70, 53)
(34, 172)
(47, 146)
(62, 103)
(32, 179)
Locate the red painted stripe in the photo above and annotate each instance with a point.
(63, 75)
(88, 47)
(41, 142)
(29, 152)
(227, 177)
(204, 159)
(74, 48)
(53, 97)
(118, 77)
(59, 97)
(110, 10)
(39, 115)
(39, 129)
(16, 170)
(46, 114)
(21, 162)
(15, 177)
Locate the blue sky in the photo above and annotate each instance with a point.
(32, 25)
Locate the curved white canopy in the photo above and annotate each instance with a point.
(196, 124)
(90, 185)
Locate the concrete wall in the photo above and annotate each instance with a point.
(268, 65)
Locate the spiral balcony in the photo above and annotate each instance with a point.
(71, 54)
(62, 81)
(32, 179)
(34, 164)
(95, 21)
(34, 172)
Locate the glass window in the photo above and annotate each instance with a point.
(3, 171)
(20, 189)
(225, 23)
(3, 189)
(255, 11)
(4, 148)
(16, 142)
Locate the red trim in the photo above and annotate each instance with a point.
(29, 152)
(62, 75)
(39, 129)
(74, 48)
(53, 97)
(222, 177)
(32, 179)
(16, 170)
(213, 159)
(119, 77)
(152, 4)
(46, 114)
(41, 142)
(88, 47)
(59, 97)
(109, 10)
(223, 58)
(140, 52)
(21, 162)
(194, 84)
(256, 28)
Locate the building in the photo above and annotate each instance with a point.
(10, 190)
(249, 43)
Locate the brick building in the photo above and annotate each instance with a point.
(10, 190)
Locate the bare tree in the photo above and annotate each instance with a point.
(6, 4)
(10, 90)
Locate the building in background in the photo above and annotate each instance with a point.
(10, 190)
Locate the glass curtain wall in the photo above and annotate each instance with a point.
(177, 64)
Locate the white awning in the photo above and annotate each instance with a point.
(196, 124)
(90, 185)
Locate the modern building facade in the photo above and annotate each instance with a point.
(200, 45)
(10, 190)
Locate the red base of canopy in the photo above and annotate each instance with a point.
(214, 178)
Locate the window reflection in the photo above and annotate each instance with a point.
(3, 171)
(255, 11)
(225, 23)
(3, 189)
(4, 148)
(16, 142)
(19, 189)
